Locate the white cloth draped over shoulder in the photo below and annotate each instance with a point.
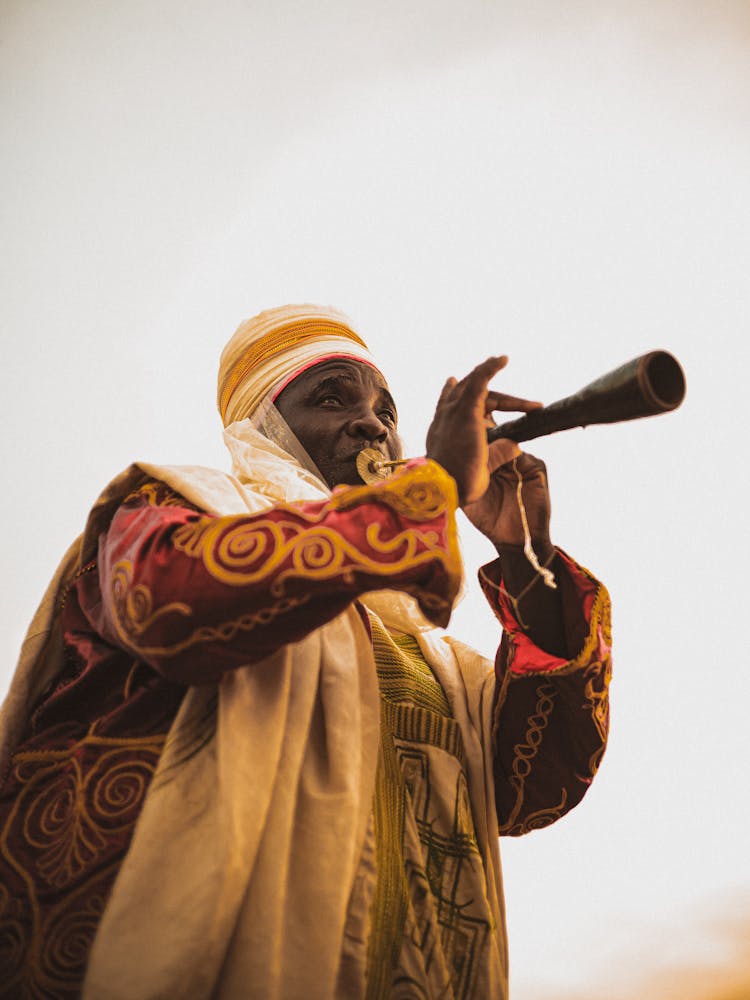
(245, 854)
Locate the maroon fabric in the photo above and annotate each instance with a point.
(551, 715)
(73, 791)
(178, 597)
(69, 803)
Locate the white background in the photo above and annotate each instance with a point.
(566, 183)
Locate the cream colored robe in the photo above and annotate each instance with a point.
(245, 877)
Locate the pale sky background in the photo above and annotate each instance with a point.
(563, 182)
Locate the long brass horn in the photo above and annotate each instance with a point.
(649, 384)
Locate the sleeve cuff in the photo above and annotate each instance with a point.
(422, 493)
(586, 613)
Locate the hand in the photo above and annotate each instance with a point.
(457, 437)
(497, 514)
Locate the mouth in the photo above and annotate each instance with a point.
(373, 466)
(382, 455)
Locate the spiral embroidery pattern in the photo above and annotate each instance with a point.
(420, 493)
(135, 604)
(524, 754)
(73, 815)
(68, 936)
(130, 623)
(248, 553)
(299, 545)
(157, 494)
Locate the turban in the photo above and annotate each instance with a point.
(269, 350)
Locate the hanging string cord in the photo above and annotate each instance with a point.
(516, 601)
(546, 574)
(542, 571)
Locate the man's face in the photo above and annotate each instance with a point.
(336, 409)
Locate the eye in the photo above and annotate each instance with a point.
(329, 399)
(388, 417)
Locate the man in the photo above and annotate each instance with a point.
(241, 761)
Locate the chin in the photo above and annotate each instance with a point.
(352, 479)
(332, 478)
(342, 477)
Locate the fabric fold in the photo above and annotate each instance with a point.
(249, 844)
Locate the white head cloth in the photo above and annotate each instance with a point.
(273, 347)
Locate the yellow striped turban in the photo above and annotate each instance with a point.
(269, 350)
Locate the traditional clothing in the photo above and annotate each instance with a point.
(269, 350)
(250, 772)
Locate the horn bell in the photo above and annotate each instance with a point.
(649, 384)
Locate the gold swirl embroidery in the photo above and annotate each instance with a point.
(279, 549)
(596, 694)
(421, 493)
(543, 817)
(599, 640)
(596, 648)
(72, 814)
(157, 494)
(429, 540)
(524, 753)
(55, 957)
(595, 663)
(190, 537)
(248, 552)
(224, 632)
(133, 606)
(228, 630)
(66, 940)
(598, 672)
(69, 822)
(57, 826)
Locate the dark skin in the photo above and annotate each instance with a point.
(336, 409)
(341, 406)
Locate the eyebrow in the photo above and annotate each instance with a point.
(330, 382)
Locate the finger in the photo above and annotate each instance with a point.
(478, 378)
(502, 401)
(486, 369)
(445, 392)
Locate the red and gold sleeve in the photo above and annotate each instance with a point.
(195, 595)
(551, 714)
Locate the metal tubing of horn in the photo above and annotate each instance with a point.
(649, 384)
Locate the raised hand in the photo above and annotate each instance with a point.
(457, 437)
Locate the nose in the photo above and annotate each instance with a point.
(369, 427)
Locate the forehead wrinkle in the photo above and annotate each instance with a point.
(337, 371)
(335, 377)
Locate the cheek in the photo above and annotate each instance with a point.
(315, 434)
(307, 438)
